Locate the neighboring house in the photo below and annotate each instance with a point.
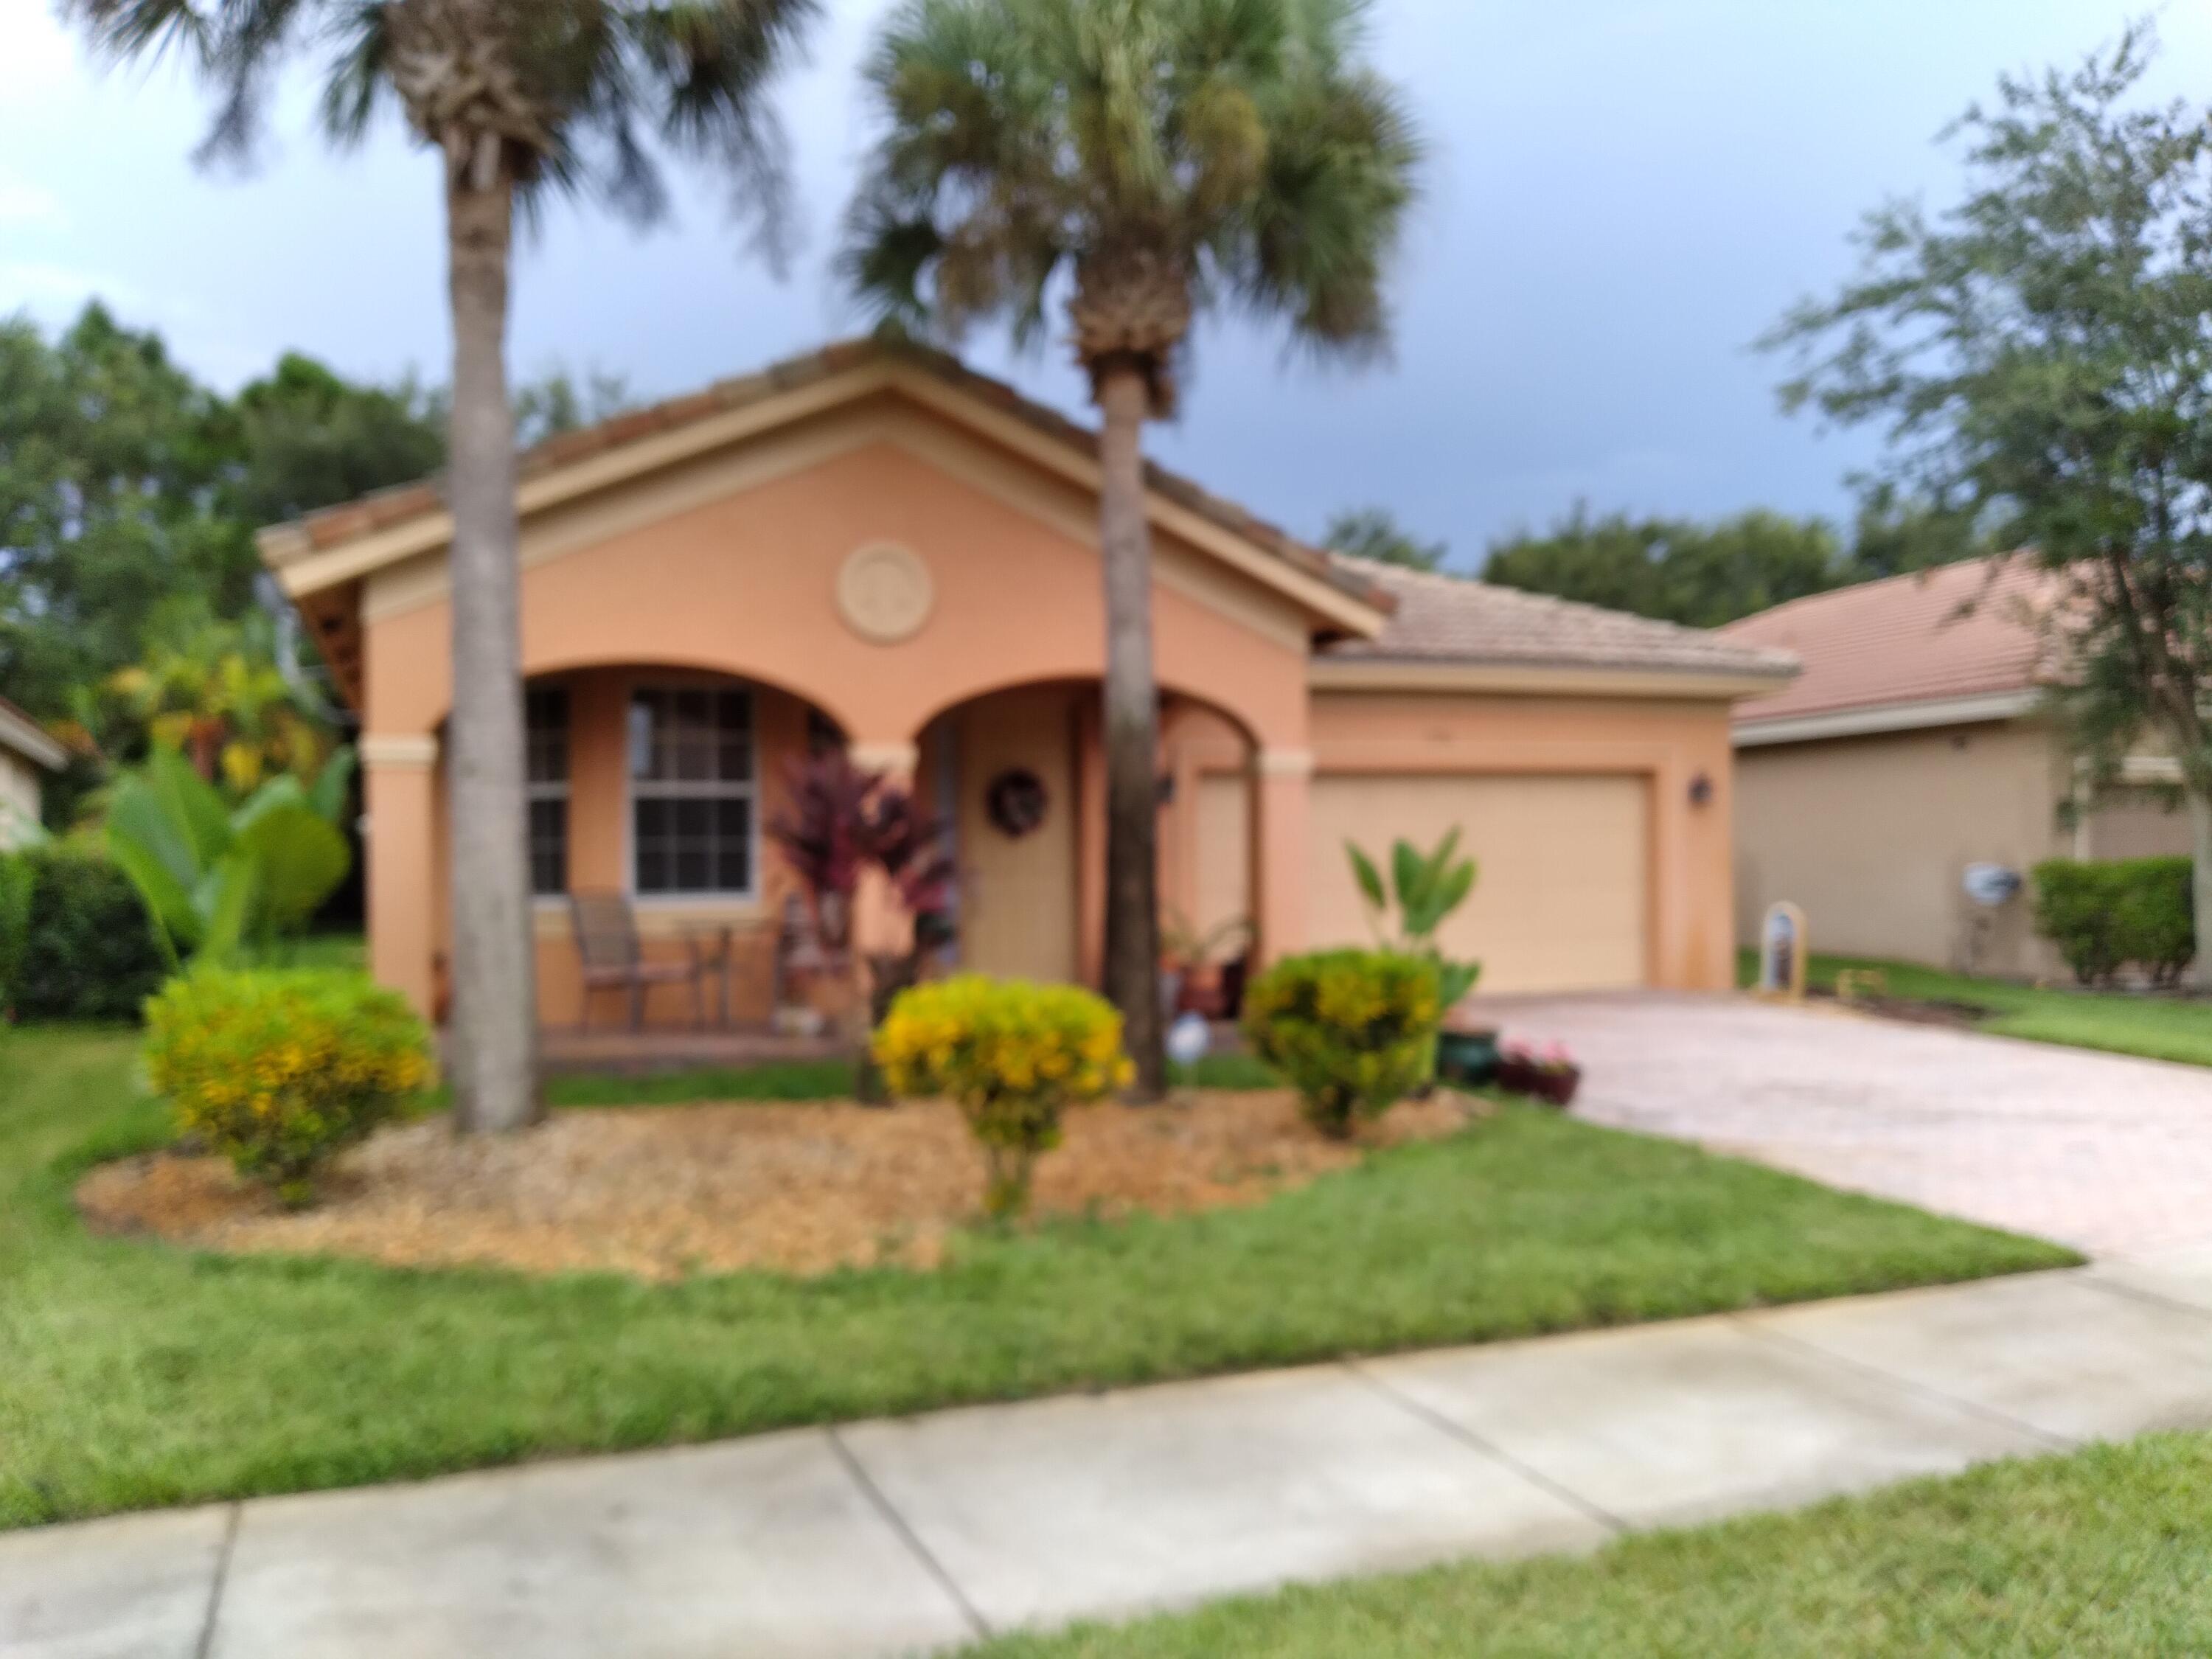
(1913, 745)
(873, 546)
(26, 755)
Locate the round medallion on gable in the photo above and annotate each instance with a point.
(884, 592)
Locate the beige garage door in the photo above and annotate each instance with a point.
(1561, 900)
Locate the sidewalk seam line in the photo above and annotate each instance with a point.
(906, 1536)
(2057, 1442)
(2145, 1294)
(205, 1645)
(1467, 1438)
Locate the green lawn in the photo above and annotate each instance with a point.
(2157, 1028)
(135, 1375)
(2106, 1551)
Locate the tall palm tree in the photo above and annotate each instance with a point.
(1147, 158)
(519, 99)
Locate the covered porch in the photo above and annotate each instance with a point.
(650, 789)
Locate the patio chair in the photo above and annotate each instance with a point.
(611, 957)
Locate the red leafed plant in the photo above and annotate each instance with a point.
(841, 822)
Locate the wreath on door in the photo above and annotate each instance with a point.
(1016, 802)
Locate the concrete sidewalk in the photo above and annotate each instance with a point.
(885, 1538)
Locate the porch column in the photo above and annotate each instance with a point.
(398, 773)
(879, 922)
(1281, 795)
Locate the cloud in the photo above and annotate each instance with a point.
(37, 59)
(24, 204)
(50, 288)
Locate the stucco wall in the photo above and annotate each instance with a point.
(1871, 836)
(1670, 744)
(19, 799)
(2138, 824)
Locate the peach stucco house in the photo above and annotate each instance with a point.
(873, 546)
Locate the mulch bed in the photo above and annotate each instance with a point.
(663, 1193)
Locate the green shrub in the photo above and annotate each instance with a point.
(2104, 916)
(2157, 912)
(75, 942)
(1011, 1055)
(278, 1072)
(1355, 1032)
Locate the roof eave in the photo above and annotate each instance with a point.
(1335, 602)
(1545, 679)
(21, 734)
(1754, 731)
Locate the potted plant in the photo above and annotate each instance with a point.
(1548, 1074)
(1423, 890)
(1192, 981)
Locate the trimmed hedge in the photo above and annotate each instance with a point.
(2120, 913)
(77, 943)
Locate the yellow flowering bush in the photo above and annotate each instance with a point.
(1355, 1032)
(278, 1072)
(1011, 1055)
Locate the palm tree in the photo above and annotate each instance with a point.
(519, 99)
(1148, 159)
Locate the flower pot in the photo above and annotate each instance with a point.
(1467, 1058)
(1555, 1086)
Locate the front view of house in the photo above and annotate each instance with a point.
(875, 548)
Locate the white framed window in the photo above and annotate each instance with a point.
(545, 710)
(694, 766)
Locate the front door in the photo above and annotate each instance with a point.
(1016, 778)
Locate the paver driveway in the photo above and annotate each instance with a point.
(2111, 1155)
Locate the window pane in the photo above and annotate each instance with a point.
(546, 750)
(691, 865)
(549, 847)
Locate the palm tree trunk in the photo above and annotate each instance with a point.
(495, 1049)
(1132, 916)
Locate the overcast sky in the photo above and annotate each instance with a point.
(1624, 194)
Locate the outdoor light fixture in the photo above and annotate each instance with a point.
(1701, 790)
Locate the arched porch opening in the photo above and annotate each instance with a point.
(1018, 775)
(655, 782)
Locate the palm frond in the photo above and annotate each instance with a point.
(1168, 152)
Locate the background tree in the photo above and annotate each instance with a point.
(518, 99)
(1142, 160)
(1895, 533)
(114, 463)
(558, 401)
(1674, 569)
(2043, 351)
(311, 439)
(1374, 533)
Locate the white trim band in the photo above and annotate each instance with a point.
(1889, 717)
(1286, 762)
(399, 751)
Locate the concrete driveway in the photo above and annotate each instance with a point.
(2111, 1155)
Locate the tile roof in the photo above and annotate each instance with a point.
(1961, 630)
(334, 526)
(1447, 618)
